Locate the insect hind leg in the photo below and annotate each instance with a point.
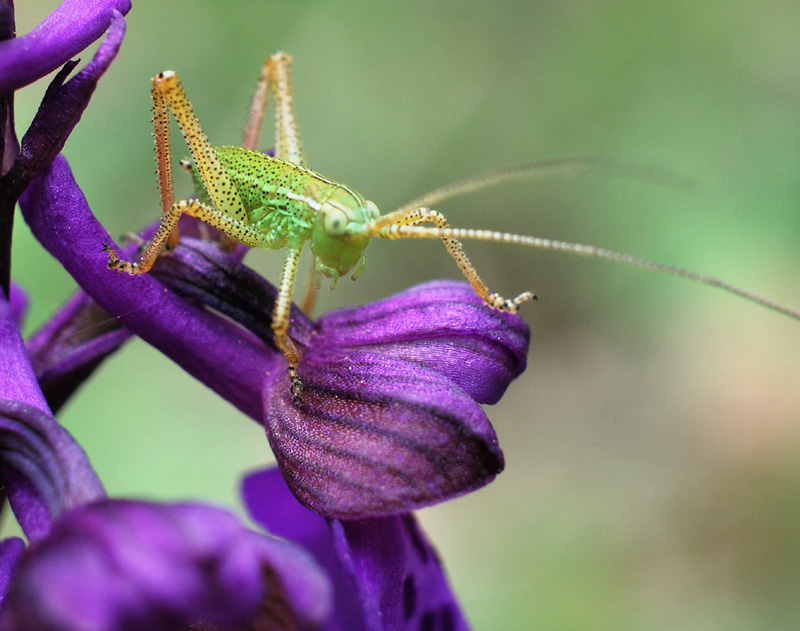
(275, 80)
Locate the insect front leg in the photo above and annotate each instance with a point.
(389, 228)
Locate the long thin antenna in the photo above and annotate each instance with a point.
(396, 231)
(567, 165)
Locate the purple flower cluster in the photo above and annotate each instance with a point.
(390, 419)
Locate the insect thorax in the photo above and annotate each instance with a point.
(280, 198)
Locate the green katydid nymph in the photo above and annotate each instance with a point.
(278, 202)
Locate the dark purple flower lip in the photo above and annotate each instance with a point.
(373, 435)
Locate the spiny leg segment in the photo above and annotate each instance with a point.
(227, 212)
(395, 225)
(275, 79)
(280, 318)
(404, 223)
(410, 229)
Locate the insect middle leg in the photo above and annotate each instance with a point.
(281, 318)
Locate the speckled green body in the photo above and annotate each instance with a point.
(281, 199)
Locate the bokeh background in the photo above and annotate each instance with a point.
(652, 446)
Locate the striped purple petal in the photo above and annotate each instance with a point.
(373, 435)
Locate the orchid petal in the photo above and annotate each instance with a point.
(372, 435)
(70, 28)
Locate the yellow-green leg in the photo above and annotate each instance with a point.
(275, 80)
(281, 318)
(387, 227)
(241, 232)
(227, 213)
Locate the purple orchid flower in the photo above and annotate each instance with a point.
(120, 565)
(390, 419)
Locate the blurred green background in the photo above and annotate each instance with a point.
(652, 446)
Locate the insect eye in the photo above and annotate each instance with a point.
(335, 222)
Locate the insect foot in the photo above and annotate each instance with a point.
(297, 386)
(114, 262)
(496, 301)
